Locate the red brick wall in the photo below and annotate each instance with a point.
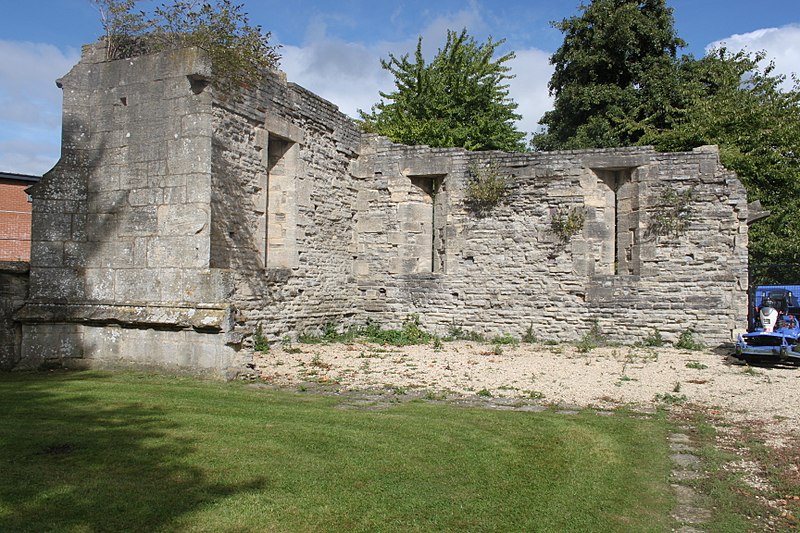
(15, 221)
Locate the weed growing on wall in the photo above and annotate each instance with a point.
(567, 222)
(687, 341)
(486, 188)
(671, 214)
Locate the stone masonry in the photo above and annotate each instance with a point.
(13, 292)
(176, 223)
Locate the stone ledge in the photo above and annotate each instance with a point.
(15, 267)
(175, 317)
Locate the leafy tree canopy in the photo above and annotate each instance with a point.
(239, 52)
(458, 99)
(618, 81)
(617, 56)
(731, 100)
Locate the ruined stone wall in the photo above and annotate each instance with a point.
(178, 223)
(507, 271)
(282, 209)
(13, 292)
(121, 231)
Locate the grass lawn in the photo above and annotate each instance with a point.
(89, 451)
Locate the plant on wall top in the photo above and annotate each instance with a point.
(487, 187)
(239, 51)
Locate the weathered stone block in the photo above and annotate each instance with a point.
(182, 219)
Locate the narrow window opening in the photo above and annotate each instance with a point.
(423, 225)
(278, 235)
(616, 222)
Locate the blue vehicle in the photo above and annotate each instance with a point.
(774, 332)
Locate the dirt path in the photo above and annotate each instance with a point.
(560, 374)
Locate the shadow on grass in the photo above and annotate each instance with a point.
(70, 462)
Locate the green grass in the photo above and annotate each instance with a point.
(100, 452)
(737, 506)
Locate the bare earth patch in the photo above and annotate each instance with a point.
(559, 374)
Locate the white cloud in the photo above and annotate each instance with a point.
(29, 156)
(349, 74)
(30, 105)
(782, 45)
(532, 70)
(434, 34)
(28, 91)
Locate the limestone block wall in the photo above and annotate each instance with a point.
(13, 292)
(178, 223)
(121, 231)
(508, 271)
(282, 209)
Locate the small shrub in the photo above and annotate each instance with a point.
(437, 343)
(686, 341)
(696, 365)
(309, 338)
(677, 387)
(260, 342)
(484, 393)
(654, 340)
(565, 222)
(497, 350)
(529, 337)
(594, 338)
(436, 396)
(317, 362)
(455, 332)
(506, 340)
(410, 333)
(286, 345)
(535, 395)
(750, 371)
(671, 399)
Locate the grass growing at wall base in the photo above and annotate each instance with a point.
(98, 452)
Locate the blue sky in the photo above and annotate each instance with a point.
(333, 49)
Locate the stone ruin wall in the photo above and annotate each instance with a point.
(282, 211)
(507, 271)
(120, 239)
(13, 292)
(176, 224)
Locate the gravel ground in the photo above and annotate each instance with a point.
(560, 374)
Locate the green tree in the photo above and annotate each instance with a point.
(618, 81)
(239, 51)
(731, 100)
(458, 99)
(616, 66)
